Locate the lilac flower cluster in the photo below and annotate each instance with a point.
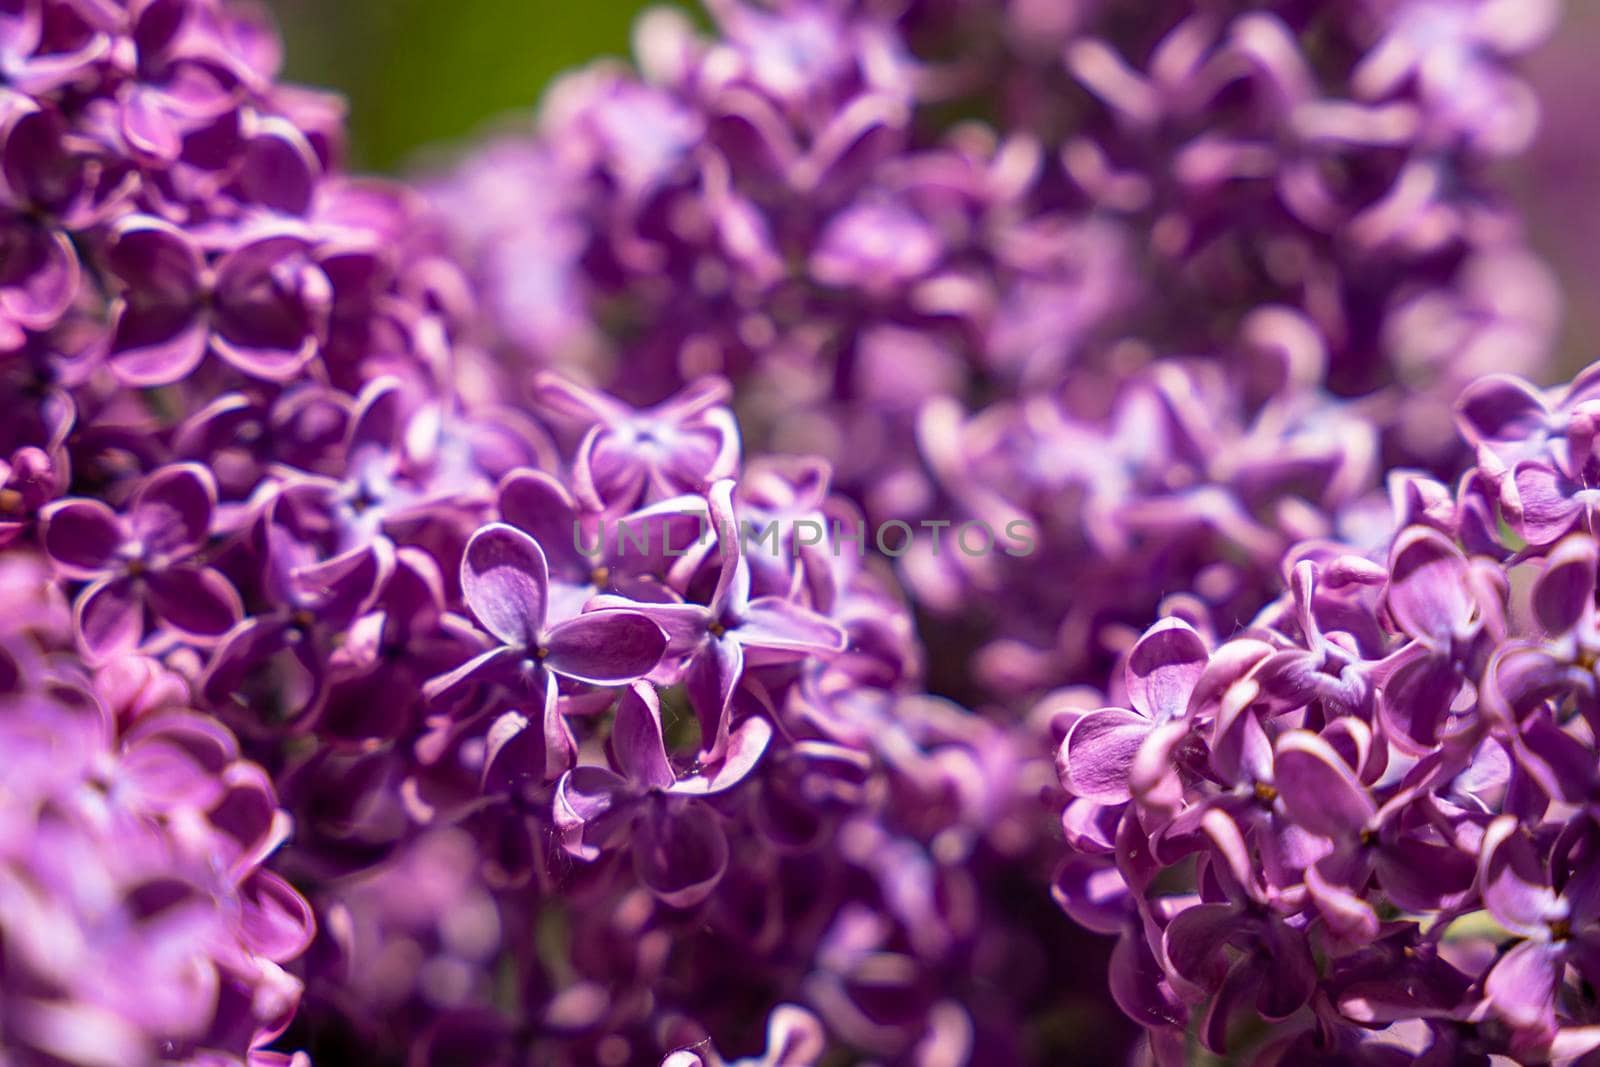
(138, 920)
(282, 511)
(1367, 816)
(1120, 306)
(376, 688)
(701, 767)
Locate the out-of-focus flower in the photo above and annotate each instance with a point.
(140, 923)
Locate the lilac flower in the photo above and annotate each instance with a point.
(143, 562)
(1101, 746)
(140, 923)
(1393, 754)
(1166, 294)
(1558, 928)
(588, 552)
(731, 632)
(262, 307)
(41, 275)
(627, 458)
(176, 85)
(281, 661)
(679, 847)
(506, 583)
(1272, 965)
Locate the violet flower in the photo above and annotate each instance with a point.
(143, 562)
(506, 583)
(262, 307)
(719, 640)
(679, 847)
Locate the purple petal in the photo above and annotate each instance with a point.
(1138, 984)
(1241, 752)
(1540, 503)
(680, 851)
(1560, 764)
(1513, 883)
(346, 585)
(1419, 876)
(249, 645)
(1522, 986)
(605, 647)
(606, 476)
(1350, 917)
(1153, 777)
(1226, 667)
(1293, 971)
(696, 398)
(506, 583)
(636, 741)
(710, 680)
(1415, 703)
(158, 262)
(250, 822)
(794, 1035)
(271, 306)
(81, 536)
(1163, 667)
(269, 362)
(498, 666)
(574, 403)
(745, 746)
(1520, 677)
(540, 506)
(279, 168)
(775, 625)
(733, 581)
(1193, 943)
(1319, 790)
(149, 125)
(156, 346)
(593, 808)
(1500, 408)
(1231, 857)
(685, 625)
(379, 419)
(1093, 892)
(275, 921)
(170, 513)
(156, 775)
(1564, 592)
(1098, 754)
(39, 277)
(1428, 592)
(109, 618)
(519, 751)
(199, 603)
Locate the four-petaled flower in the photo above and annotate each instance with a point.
(145, 564)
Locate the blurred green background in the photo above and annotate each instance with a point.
(426, 72)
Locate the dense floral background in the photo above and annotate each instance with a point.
(450, 617)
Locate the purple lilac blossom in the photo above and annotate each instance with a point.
(1366, 816)
(321, 544)
(1284, 211)
(139, 920)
